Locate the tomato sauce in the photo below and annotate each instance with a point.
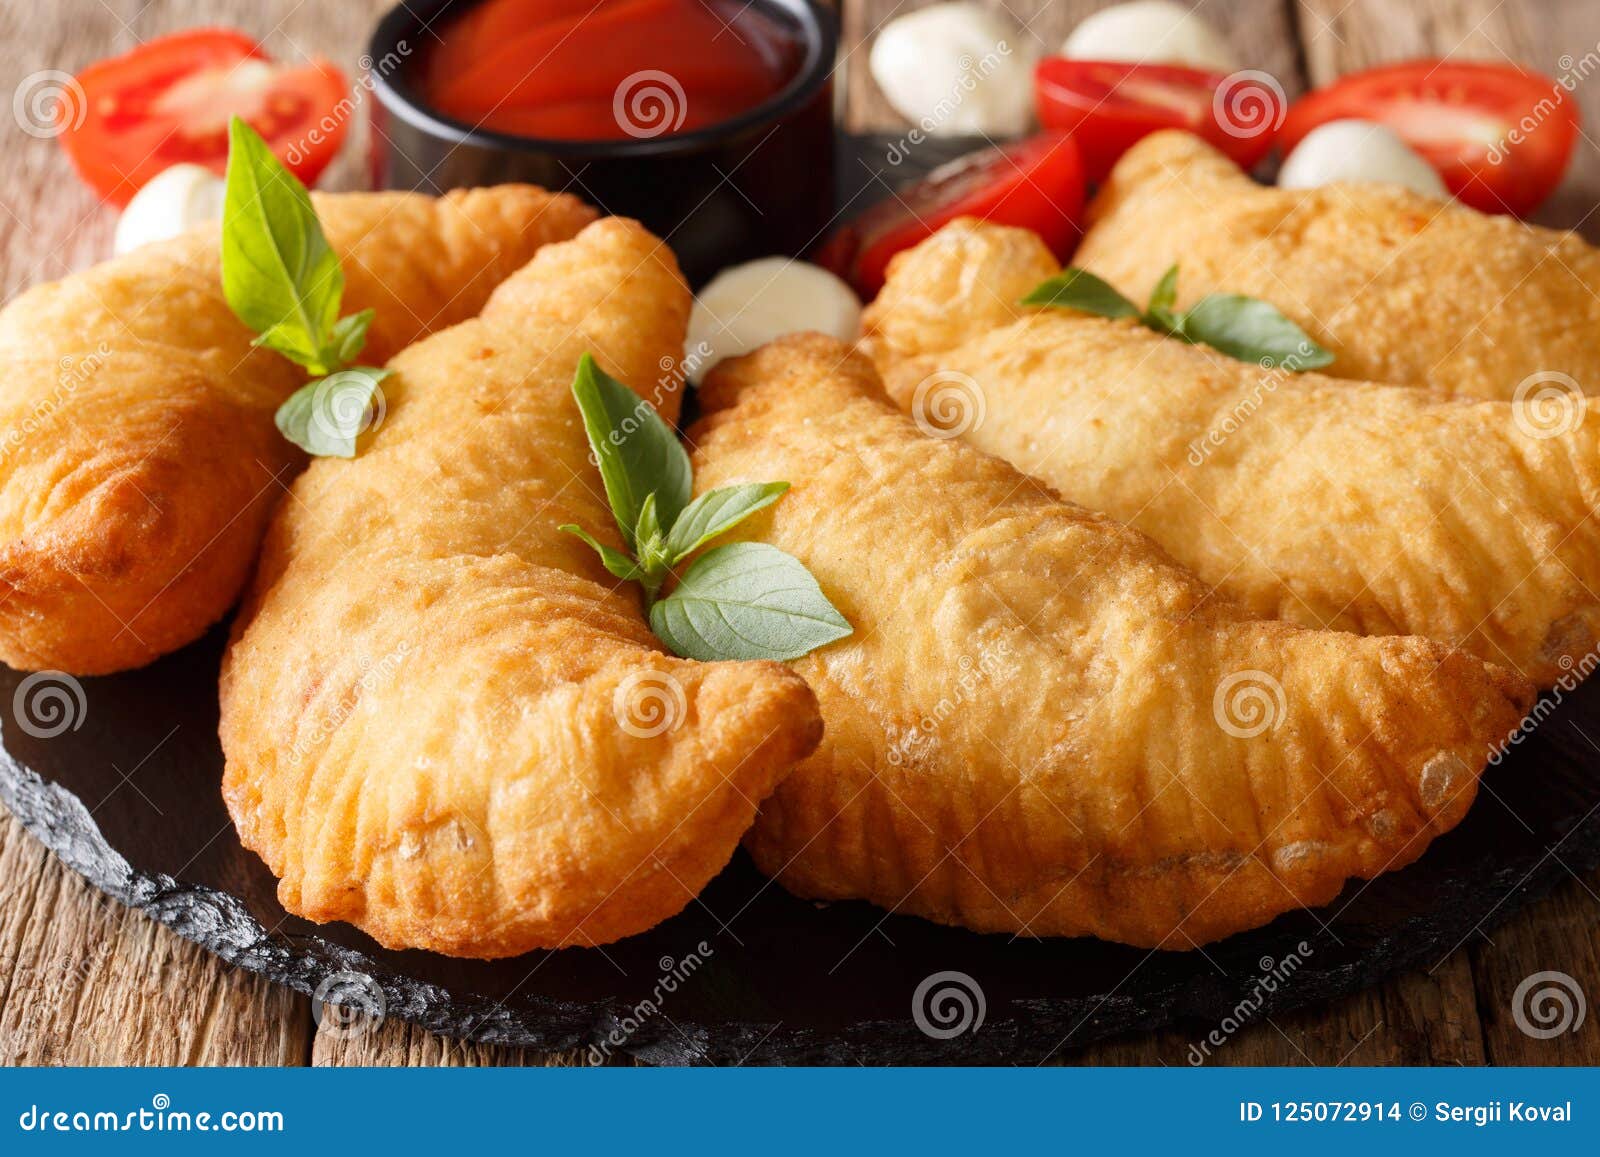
(608, 69)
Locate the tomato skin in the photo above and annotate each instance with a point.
(1034, 184)
(1460, 116)
(120, 133)
(1110, 105)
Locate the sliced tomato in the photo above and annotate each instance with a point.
(1108, 105)
(170, 100)
(1035, 184)
(1499, 136)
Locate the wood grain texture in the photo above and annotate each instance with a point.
(84, 981)
(392, 1042)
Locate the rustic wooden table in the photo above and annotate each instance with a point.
(83, 981)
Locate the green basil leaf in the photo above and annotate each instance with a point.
(648, 527)
(1252, 331)
(746, 600)
(638, 453)
(717, 511)
(652, 549)
(279, 275)
(327, 417)
(1163, 295)
(1081, 290)
(349, 334)
(611, 558)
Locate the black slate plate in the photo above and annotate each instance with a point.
(119, 776)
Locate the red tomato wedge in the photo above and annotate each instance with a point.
(1499, 136)
(1108, 105)
(1035, 184)
(170, 100)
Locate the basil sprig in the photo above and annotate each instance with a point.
(745, 600)
(1241, 327)
(282, 279)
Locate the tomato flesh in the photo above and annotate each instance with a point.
(170, 101)
(1499, 136)
(1035, 184)
(1110, 105)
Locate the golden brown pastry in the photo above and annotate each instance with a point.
(1402, 288)
(1044, 725)
(1381, 510)
(138, 456)
(443, 720)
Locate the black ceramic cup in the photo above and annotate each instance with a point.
(756, 185)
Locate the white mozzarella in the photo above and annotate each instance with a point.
(750, 304)
(1152, 32)
(172, 202)
(1353, 150)
(957, 68)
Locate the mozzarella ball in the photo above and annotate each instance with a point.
(953, 69)
(174, 201)
(1151, 32)
(750, 304)
(1352, 150)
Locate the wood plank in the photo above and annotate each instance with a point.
(1549, 956)
(1261, 30)
(1414, 1019)
(86, 981)
(365, 1041)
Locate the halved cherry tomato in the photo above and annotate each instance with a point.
(1035, 184)
(171, 99)
(1108, 105)
(1500, 136)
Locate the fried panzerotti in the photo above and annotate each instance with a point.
(1383, 510)
(139, 460)
(1044, 725)
(443, 721)
(1402, 288)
